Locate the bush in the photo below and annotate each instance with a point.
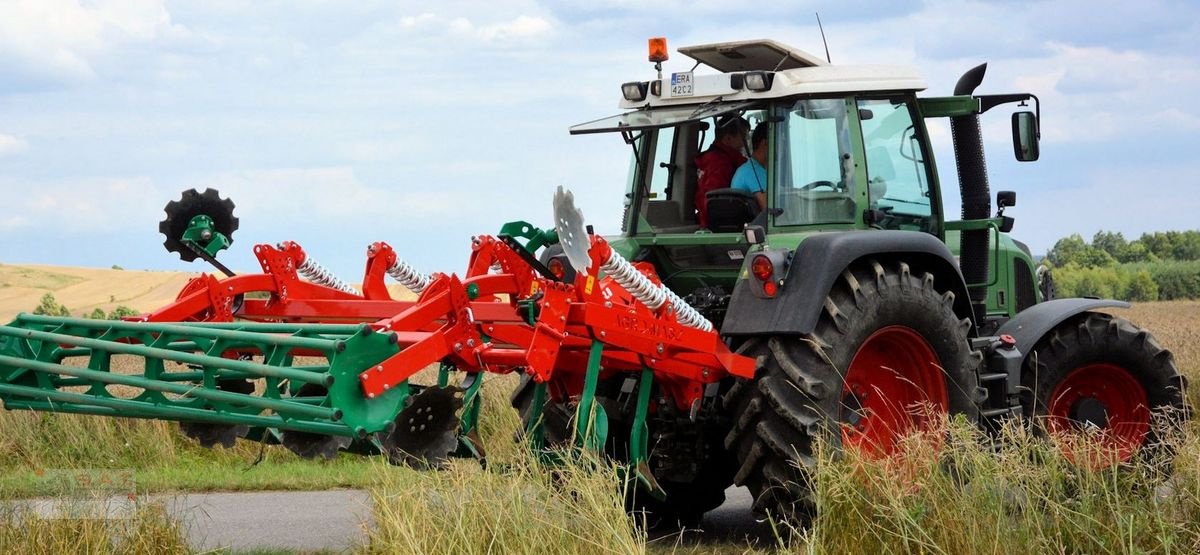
(122, 311)
(50, 307)
(1147, 281)
(1142, 288)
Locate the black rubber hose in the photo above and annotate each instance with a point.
(976, 196)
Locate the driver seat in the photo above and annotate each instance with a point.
(729, 210)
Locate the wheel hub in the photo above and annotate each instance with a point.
(1102, 398)
(1090, 413)
(894, 387)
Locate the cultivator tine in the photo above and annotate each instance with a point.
(470, 443)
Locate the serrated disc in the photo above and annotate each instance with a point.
(226, 435)
(310, 445)
(572, 234)
(426, 429)
(191, 204)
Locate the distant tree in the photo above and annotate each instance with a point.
(1137, 252)
(50, 307)
(1067, 250)
(1092, 257)
(122, 312)
(98, 314)
(1186, 246)
(116, 267)
(1111, 242)
(1158, 243)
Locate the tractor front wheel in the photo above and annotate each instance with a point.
(888, 358)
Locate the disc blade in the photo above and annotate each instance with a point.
(572, 234)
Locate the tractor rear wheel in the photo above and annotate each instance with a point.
(1101, 375)
(888, 358)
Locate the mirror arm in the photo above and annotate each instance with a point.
(989, 101)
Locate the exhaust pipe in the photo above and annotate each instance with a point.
(976, 196)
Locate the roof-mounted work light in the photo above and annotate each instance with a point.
(635, 91)
(759, 80)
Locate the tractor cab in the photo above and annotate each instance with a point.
(845, 150)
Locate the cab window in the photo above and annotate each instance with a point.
(897, 175)
(814, 167)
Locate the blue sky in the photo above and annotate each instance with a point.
(421, 124)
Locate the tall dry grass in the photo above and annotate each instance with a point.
(518, 504)
(520, 507)
(147, 529)
(1024, 496)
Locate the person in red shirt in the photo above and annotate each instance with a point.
(716, 165)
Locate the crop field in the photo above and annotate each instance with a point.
(966, 498)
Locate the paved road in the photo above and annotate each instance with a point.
(335, 520)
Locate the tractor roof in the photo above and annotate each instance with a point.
(795, 72)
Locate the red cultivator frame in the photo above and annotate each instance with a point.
(508, 313)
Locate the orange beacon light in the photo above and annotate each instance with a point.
(658, 50)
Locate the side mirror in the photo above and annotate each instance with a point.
(1004, 199)
(1025, 132)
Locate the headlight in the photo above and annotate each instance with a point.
(635, 91)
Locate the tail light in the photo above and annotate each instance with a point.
(764, 270)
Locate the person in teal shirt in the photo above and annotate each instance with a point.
(752, 176)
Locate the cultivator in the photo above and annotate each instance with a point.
(319, 366)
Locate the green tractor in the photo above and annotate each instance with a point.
(847, 283)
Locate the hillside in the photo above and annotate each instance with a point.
(84, 289)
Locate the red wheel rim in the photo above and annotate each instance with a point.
(894, 387)
(1103, 398)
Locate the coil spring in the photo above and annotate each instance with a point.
(318, 274)
(651, 294)
(409, 277)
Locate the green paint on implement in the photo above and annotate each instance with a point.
(591, 422)
(172, 371)
(202, 233)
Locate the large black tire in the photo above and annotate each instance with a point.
(685, 503)
(797, 395)
(1106, 360)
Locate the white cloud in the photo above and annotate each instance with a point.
(330, 195)
(11, 145)
(62, 40)
(80, 206)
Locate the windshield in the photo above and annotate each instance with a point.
(658, 117)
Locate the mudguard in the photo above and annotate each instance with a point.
(1029, 326)
(817, 264)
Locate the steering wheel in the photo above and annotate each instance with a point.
(817, 184)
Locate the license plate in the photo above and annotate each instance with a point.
(681, 84)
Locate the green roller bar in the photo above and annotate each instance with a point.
(86, 404)
(176, 356)
(247, 336)
(287, 407)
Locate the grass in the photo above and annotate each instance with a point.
(522, 507)
(20, 276)
(38, 450)
(147, 530)
(1024, 497)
